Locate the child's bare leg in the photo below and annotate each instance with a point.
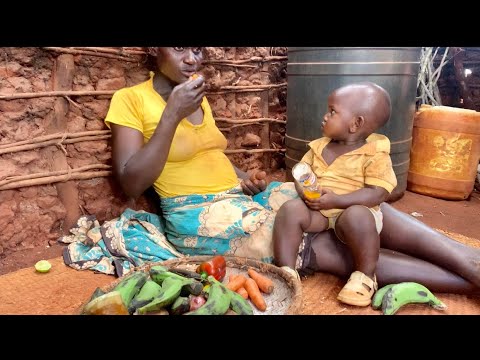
(334, 257)
(356, 228)
(292, 220)
(402, 232)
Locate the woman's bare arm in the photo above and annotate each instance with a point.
(137, 166)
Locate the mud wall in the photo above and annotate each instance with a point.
(55, 152)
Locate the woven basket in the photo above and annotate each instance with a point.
(286, 298)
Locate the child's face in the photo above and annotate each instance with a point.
(336, 122)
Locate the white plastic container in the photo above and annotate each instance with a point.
(303, 173)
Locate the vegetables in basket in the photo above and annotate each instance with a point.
(216, 267)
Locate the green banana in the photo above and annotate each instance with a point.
(187, 273)
(158, 268)
(110, 303)
(130, 285)
(378, 297)
(160, 274)
(240, 305)
(190, 286)
(408, 293)
(149, 291)
(237, 302)
(97, 293)
(171, 289)
(180, 306)
(218, 300)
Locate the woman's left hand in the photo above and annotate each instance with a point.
(256, 183)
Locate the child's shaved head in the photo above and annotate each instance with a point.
(368, 100)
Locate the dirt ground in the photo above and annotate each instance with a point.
(452, 216)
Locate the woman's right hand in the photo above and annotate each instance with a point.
(256, 183)
(186, 98)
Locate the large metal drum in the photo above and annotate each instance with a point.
(314, 72)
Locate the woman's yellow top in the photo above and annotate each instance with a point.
(196, 163)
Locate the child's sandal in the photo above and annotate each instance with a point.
(358, 290)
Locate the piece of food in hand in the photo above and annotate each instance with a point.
(259, 179)
(216, 267)
(260, 175)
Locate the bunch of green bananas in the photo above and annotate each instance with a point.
(391, 298)
(220, 299)
(141, 293)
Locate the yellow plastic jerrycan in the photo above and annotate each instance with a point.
(445, 152)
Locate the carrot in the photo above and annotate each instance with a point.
(255, 295)
(243, 293)
(264, 283)
(236, 283)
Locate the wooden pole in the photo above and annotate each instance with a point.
(57, 180)
(265, 132)
(67, 191)
(92, 53)
(252, 151)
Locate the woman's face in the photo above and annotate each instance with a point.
(179, 63)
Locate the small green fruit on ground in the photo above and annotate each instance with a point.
(43, 266)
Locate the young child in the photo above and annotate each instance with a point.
(354, 169)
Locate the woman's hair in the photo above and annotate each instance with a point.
(150, 60)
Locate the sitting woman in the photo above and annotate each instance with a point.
(164, 134)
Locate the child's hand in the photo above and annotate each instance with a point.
(325, 202)
(255, 184)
